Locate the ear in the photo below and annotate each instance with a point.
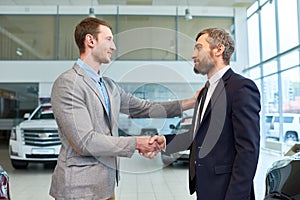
(219, 50)
(89, 38)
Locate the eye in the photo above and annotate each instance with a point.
(198, 47)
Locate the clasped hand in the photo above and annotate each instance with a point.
(150, 146)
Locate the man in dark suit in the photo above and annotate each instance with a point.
(224, 139)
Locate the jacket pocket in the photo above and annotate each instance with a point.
(223, 169)
(81, 161)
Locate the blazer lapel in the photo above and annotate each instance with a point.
(90, 84)
(194, 129)
(218, 91)
(216, 111)
(113, 112)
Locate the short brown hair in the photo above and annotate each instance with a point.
(88, 25)
(217, 36)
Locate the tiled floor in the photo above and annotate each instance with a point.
(141, 179)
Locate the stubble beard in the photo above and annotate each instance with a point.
(198, 70)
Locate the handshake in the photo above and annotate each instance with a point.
(150, 146)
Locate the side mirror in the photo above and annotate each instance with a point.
(172, 126)
(26, 115)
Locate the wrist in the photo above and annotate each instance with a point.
(188, 103)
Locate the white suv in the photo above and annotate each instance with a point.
(36, 139)
(291, 126)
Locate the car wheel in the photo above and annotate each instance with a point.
(291, 137)
(17, 164)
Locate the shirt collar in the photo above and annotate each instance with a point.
(89, 71)
(218, 75)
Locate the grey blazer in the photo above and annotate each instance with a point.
(86, 166)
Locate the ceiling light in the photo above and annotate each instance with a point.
(92, 12)
(188, 15)
(19, 52)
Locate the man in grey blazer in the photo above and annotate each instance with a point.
(86, 107)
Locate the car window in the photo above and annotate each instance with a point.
(285, 119)
(47, 116)
(269, 119)
(44, 112)
(288, 119)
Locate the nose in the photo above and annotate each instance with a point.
(194, 55)
(113, 46)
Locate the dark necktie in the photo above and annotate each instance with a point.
(105, 95)
(192, 169)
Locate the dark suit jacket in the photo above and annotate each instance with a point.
(227, 141)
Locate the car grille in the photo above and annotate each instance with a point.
(41, 137)
(42, 156)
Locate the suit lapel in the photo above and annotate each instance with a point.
(216, 112)
(194, 123)
(109, 89)
(90, 84)
(218, 91)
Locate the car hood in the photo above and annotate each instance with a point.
(48, 123)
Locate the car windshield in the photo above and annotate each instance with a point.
(45, 112)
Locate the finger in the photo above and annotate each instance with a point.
(153, 139)
(151, 155)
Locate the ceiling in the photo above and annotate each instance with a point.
(219, 3)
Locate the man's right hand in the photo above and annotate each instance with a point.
(145, 148)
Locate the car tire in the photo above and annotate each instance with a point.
(17, 164)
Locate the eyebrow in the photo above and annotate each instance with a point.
(198, 45)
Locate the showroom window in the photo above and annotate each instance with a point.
(168, 36)
(27, 37)
(288, 32)
(273, 36)
(67, 49)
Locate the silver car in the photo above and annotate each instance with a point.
(182, 126)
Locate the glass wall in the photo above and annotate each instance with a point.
(273, 33)
(27, 37)
(137, 37)
(188, 30)
(67, 49)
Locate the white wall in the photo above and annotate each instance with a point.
(45, 72)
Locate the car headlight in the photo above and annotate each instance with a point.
(13, 134)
